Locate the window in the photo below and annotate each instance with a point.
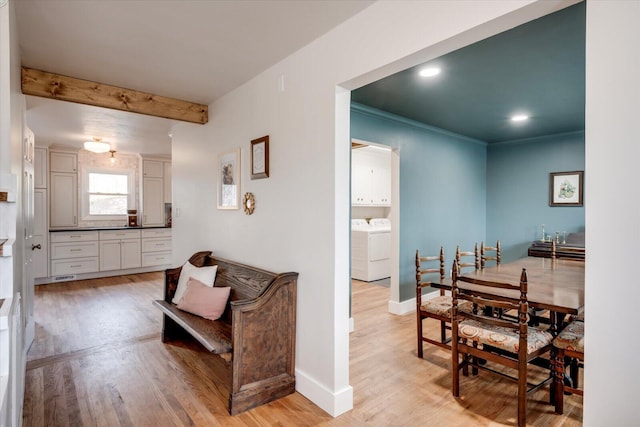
(107, 194)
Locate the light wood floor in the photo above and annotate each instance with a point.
(97, 360)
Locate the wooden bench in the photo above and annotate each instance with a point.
(255, 335)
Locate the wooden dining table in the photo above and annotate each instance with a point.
(556, 285)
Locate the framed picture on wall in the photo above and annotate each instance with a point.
(229, 180)
(565, 188)
(260, 158)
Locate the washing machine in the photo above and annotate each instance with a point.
(370, 249)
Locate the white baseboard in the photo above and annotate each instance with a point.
(409, 306)
(404, 307)
(334, 404)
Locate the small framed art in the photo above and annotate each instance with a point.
(229, 179)
(565, 188)
(260, 158)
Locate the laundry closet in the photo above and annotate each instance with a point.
(370, 210)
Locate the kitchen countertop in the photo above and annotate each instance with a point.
(124, 227)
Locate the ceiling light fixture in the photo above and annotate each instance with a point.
(112, 159)
(519, 118)
(429, 72)
(96, 146)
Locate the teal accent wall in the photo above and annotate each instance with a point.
(518, 190)
(443, 189)
(457, 191)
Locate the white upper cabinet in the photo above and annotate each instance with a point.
(370, 177)
(63, 162)
(152, 169)
(152, 202)
(64, 200)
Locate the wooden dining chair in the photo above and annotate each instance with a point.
(428, 269)
(461, 255)
(482, 341)
(490, 253)
(568, 350)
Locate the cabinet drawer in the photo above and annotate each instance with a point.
(74, 236)
(156, 232)
(156, 258)
(74, 250)
(156, 245)
(119, 234)
(74, 266)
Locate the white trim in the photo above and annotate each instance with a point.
(352, 325)
(403, 307)
(409, 306)
(334, 404)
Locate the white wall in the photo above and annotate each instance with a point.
(12, 109)
(612, 212)
(302, 209)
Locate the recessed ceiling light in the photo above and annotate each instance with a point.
(429, 72)
(519, 118)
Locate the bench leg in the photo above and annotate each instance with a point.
(171, 330)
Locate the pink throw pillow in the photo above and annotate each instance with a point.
(204, 301)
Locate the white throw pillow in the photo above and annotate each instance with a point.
(206, 275)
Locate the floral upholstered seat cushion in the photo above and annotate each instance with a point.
(580, 316)
(571, 337)
(504, 338)
(441, 306)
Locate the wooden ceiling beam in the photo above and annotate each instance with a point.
(64, 88)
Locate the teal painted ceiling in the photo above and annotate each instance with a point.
(537, 69)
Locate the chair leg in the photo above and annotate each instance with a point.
(522, 392)
(573, 372)
(443, 331)
(420, 351)
(455, 370)
(558, 380)
(475, 361)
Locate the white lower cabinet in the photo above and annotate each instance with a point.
(74, 252)
(119, 249)
(156, 247)
(77, 252)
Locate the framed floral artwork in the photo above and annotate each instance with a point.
(565, 188)
(229, 179)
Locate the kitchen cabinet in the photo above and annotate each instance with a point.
(152, 169)
(153, 192)
(167, 182)
(40, 169)
(370, 177)
(152, 202)
(74, 252)
(63, 189)
(119, 249)
(63, 208)
(40, 239)
(62, 161)
(156, 247)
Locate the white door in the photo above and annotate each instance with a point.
(28, 153)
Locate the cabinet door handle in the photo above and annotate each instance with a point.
(34, 247)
